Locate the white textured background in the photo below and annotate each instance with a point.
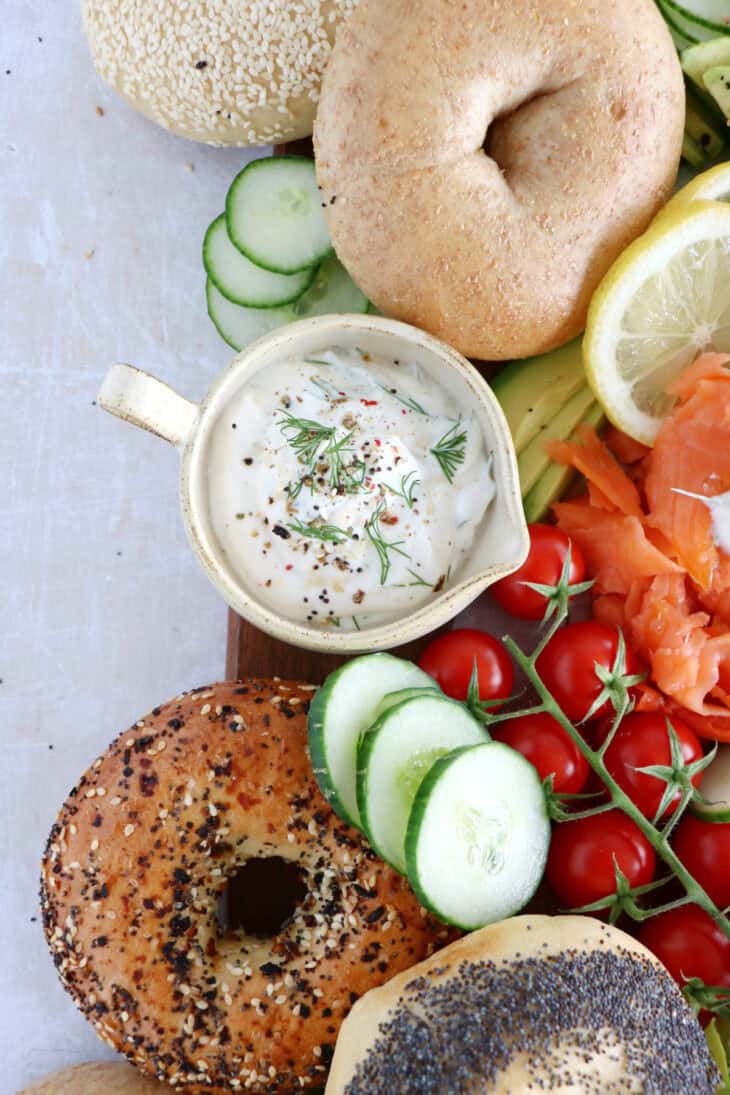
(103, 612)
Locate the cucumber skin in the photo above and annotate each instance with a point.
(365, 747)
(230, 196)
(288, 317)
(714, 816)
(418, 809)
(318, 751)
(699, 20)
(210, 271)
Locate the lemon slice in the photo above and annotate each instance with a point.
(712, 185)
(665, 299)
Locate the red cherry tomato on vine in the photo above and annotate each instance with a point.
(580, 861)
(643, 739)
(541, 739)
(704, 848)
(449, 659)
(544, 564)
(690, 944)
(567, 665)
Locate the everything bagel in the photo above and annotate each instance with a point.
(483, 163)
(132, 876)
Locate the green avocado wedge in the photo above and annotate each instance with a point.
(555, 480)
(532, 391)
(717, 82)
(534, 460)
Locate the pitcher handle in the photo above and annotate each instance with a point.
(146, 402)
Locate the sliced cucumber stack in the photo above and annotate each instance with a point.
(240, 280)
(395, 755)
(270, 253)
(478, 835)
(715, 789)
(394, 698)
(274, 214)
(342, 710)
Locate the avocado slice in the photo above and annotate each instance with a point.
(533, 460)
(717, 82)
(533, 390)
(701, 125)
(555, 479)
(692, 153)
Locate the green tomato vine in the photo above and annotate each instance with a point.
(677, 776)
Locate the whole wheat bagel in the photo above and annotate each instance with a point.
(97, 1078)
(496, 249)
(564, 1004)
(226, 72)
(132, 875)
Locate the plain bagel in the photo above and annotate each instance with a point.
(564, 1004)
(226, 72)
(131, 880)
(495, 249)
(97, 1078)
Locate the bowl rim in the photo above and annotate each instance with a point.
(193, 493)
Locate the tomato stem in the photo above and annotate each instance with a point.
(658, 838)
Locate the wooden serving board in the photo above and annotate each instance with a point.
(252, 653)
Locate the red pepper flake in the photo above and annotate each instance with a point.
(389, 519)
(289, 566)
(369, 402)
(378, 441)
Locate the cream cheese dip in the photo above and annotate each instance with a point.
(346, 489)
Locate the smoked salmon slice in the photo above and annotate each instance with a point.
(658, 572)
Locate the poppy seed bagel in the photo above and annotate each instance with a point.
(482, 164)
(134, 870)
(564, 1004)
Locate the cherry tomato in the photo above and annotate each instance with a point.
(704, 848)
(567, 665)
(449, 659)
(580, 860)
(643, 739)
(544, 564)
(690, 944)
(541, 739)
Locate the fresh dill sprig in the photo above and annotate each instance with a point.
(325, 387)
(450, 450)
(328, 533)
(408, 485)
(357, 625)
(406, 400)
(305, 436)
(418, 581)
(317, 361)
(382, 546)
(312, 442)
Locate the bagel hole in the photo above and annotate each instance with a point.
(261, 896)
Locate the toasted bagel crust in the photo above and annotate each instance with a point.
(132, 875)
(582, 105)
(96, 1078)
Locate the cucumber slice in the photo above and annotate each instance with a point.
(240, 280)
(478, 835)
(715, 788)
(717, 82)
(697, 59)
(403, 694)
(711, 14)
(342, 709)
(680, 24)
(394, 756)
(274, 214)
(241, 326)
(332, 292)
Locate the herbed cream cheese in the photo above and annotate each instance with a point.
(346, 489)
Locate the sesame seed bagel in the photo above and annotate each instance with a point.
(131, 880)
(97, 1078)
(225, 72)
(564, 1004)
(482, 168)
